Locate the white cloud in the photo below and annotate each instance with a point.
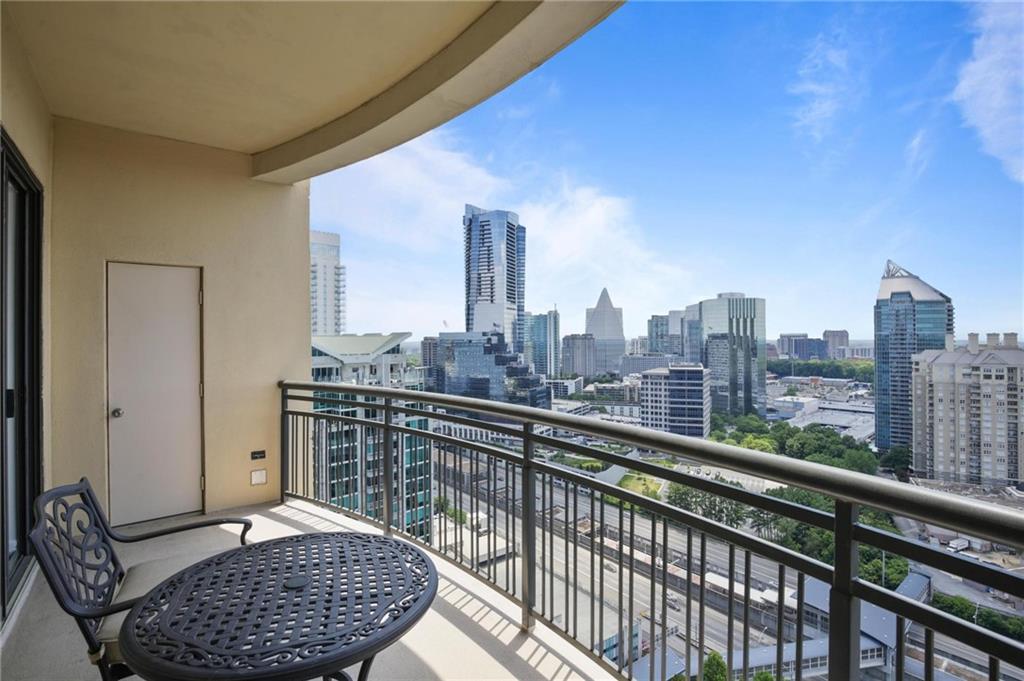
(405, 206)
(917, 154)
(990, 90)
(411, 195)
(827, 83)
(580, 240)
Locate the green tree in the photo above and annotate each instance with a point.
(791, 391)
(764, 675)
(709, 505)
(899, 459)
(751, 423)
(714, 668)
(762, 443)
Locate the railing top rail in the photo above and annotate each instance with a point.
(974, 518)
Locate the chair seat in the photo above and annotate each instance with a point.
(138, 580)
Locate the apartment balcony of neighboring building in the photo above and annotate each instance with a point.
(157, 341)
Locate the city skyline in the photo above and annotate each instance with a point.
(834, 138)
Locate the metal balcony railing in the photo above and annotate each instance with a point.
(646, 588)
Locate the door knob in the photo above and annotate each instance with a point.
(117, 413)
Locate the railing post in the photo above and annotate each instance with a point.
(844, 607)
(284, 441)
(529, 528)
(389, 469)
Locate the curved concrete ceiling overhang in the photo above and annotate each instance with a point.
(508, 41)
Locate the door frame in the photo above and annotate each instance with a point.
(12, 160)
(202, 369)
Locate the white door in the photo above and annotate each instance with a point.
(154, 419)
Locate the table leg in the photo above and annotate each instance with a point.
(364, 672)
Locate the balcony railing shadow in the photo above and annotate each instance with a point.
(471, 632)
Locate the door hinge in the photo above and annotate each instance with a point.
(200, 296)
(201, 390)
(202, 483)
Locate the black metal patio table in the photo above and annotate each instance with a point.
(293, 608)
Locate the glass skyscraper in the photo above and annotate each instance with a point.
(481, 365)
(495, 258)
(604, 323)
(732, 328)
(910, 316)
(544, 343)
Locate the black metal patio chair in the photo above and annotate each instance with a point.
(74, 544)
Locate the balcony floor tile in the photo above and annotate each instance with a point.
(471, 632)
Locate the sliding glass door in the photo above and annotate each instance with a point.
(21, 218)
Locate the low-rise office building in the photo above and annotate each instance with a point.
(677, 399)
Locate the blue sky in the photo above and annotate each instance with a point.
(682, 149)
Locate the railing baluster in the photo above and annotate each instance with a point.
(993, 669)
(566, 556)
(929, 655)
(551, 547)
(901, 642)
(780, 623)
(844, 608)
(593, 553)
(746, 614)
(664, 599)
(389, 470)
(600, 599)
(632, 575)
(619, 631)
(700, 610)
(285, 451)
(529, 528)
(730, 608)
(799, 663)
(575, 559)
(654, 594)
(689, 600)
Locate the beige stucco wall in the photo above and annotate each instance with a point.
(132, 197)
(26, 118)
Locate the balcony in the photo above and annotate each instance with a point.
(548, 573)
(467, 616)
(612, 570)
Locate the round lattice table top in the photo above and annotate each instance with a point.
(291, 608)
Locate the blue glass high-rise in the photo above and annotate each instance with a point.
(910, 316)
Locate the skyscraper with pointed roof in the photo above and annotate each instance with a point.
(910, 316)
(604, 323)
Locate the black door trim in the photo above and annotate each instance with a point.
(29, 398)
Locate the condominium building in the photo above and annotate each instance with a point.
(786, 342)
(326, 284)
(809, 348)
(428, 359)
(638, 346)
(495, 260)
(479, 364)
(835, 339)
(693, 339)
(910, 316)
(732, 329)
(639, 363)
(604, 323)
(347, 468)
(543, 347)
(562, 388)
(967, 416)
(579, 353)
(657, 333)
(677, 399)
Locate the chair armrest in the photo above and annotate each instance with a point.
(76, 610)
(127, 539)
